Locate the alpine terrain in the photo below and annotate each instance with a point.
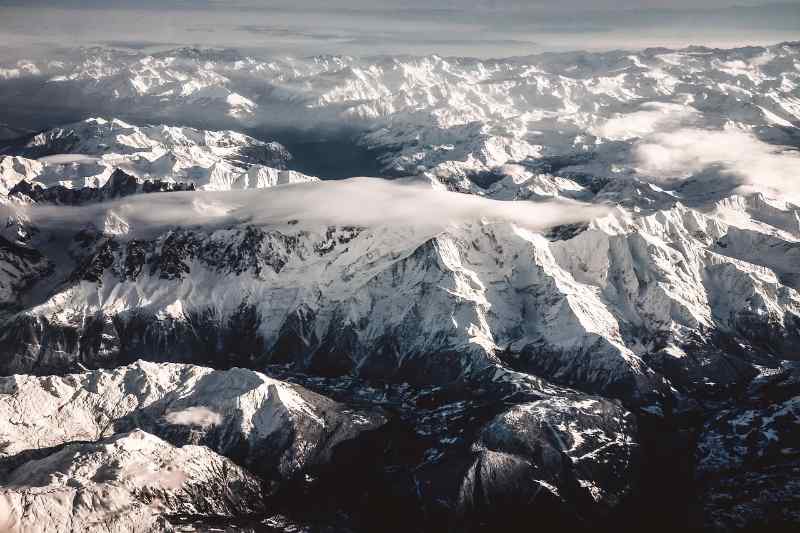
(568, 298)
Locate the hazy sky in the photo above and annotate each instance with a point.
(549, 5)
(450, 27)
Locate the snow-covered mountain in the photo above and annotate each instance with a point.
(85, 154)
(72, 460)
(14, 169)
(273, 427)
(584, 302)
(431, 112)
(126, 483)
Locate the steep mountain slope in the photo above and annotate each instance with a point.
(332, 299)
(592, 309)
(273, 427)
(661, 310)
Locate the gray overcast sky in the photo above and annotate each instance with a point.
(450, 27)
(583, 5)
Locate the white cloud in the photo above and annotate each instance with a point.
(652, 117)
(356, 201)
(678, 154)
(194, 416)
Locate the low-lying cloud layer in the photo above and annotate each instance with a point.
(366, 202)
(676, 155)
(651, 117)
(671, 143)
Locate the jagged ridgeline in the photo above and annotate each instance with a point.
(575, 300)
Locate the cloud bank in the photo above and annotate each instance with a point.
(366, 202)
(671, 143)
(679, 154)
(651, 117)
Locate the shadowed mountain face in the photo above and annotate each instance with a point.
(567, 296)
(336, 156)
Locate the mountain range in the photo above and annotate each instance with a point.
(570, 299)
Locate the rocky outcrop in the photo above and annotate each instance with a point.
(747, 457)
(119, 185)
(20, 267)
(568, 460)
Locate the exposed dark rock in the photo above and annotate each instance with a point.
(119, 185)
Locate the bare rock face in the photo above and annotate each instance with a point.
(586, 445)
(569, 459)
(748, 460)
(119, 185)
(21, 267)
(127, 482)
